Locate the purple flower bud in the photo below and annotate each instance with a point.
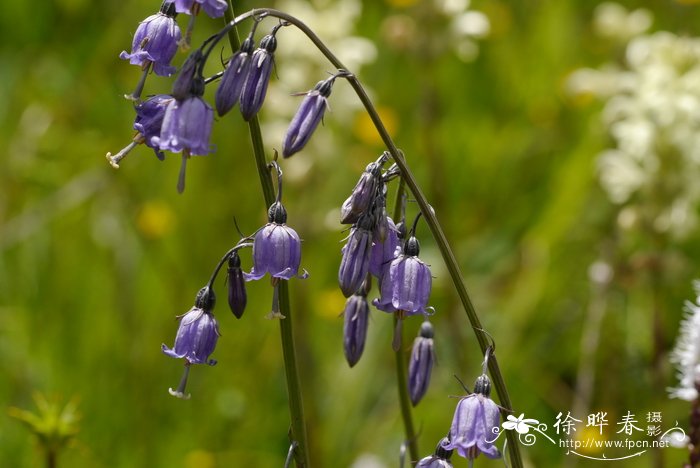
(383, 253)
(198, 332)
(276, 248)
(237, 297)
(439, 459)
(213, 8)
(307, 118)
(155, 41)
(407, 286)
(355, 324)
(237, 70)
(421, 364)
(255, 85)
(149, 120)
(363, 195)
(475, 419)
(355, 263)
(187, 83)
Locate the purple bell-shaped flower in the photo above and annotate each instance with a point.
(406, 287)
(155, 41)
(276, 248)
(148, 122)
(196, 336)
(475, 423)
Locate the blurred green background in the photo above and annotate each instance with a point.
(95, 263)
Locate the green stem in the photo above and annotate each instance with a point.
(296, 407)
(401, 379)
(430, 217)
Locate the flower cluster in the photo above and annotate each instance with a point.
(378, 247)
(182, 121)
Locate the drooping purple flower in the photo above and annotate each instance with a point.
(258, 76)
(213, 8)
(355, 322)
(421, 363)
(363, 195)
(356, 256)
(475, 419)
(149, 120)
(186, 128)
(276, 248)
(196, 337)
(407, 286)
(307, 118)
(237, 297)
(383, 253)
(439, 459)
(229, 91)
(155, 41)
(198, 332)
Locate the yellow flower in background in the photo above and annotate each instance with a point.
(330, 304)
(364, 129)
(155, 219)
(199, 459)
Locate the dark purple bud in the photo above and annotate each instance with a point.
(277, 251)
(439, 459)
(383, 253)
(149, 120)
(155, 41)
(421, 364)
(355, 322)
(363, 195)
(237, 297)
(406, 287)
(255, 85)
(237, 70)
(307, 118)
(472, 431)
(213, 8)
(187, 83)
(355, 262)
(381, 223)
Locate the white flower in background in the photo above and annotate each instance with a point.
(613, 21)
(452, 25)
(465, 26)
(686, 354)
(653, 116)
(300, 66)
